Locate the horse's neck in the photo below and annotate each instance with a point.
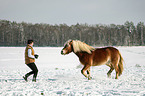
(80, 54)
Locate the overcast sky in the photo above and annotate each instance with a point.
(72, 12)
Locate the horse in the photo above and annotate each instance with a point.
(90, 56)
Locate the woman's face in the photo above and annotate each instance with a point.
(32, 44)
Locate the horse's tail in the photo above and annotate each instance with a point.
(120, 65)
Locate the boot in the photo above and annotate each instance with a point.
(25, 78)
(34, 79)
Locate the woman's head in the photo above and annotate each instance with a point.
(30, 42)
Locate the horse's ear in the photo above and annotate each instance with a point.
(70, 42)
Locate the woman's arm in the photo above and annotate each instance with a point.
(29, 54)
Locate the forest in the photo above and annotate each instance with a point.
(17, 34)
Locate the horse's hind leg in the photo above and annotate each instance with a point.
(117, 71)
(109, 72)
(115, 66)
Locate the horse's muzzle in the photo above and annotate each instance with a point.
(62, 52)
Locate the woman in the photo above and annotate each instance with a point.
(30, 61)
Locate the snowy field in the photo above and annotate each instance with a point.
(61, 75)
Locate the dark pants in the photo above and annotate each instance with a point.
(34, 71)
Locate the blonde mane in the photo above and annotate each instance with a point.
(81, 46)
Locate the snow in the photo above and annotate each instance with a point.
(61, 75)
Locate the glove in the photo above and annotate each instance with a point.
(36, 56)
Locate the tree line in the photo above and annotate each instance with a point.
(17, 34)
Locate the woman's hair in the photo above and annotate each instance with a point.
(29, 41)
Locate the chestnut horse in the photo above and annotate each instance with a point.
(90, 56)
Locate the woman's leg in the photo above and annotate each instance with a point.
(34, 71)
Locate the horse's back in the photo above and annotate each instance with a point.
(113, 52)
(106, 50)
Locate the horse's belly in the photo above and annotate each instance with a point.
(101, 62)
(98, 63)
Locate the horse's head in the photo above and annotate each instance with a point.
(67, 48)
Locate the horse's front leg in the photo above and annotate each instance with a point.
(86, 67)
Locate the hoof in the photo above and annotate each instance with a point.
(89, 78)
(25, 78)
(109, 75)
(116, 78)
